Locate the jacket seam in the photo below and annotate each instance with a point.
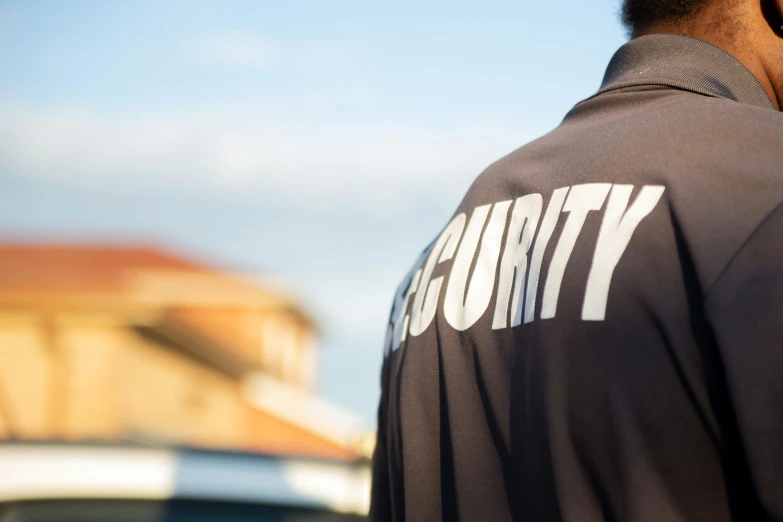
(730, 263)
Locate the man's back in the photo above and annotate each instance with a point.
(595, 336)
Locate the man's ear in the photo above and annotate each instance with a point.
(773, 13)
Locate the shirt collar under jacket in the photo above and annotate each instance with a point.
(684, 63)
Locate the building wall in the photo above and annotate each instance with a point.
(87, 355)
(87, 376)
(24, 375)
(165, 395)
(273, 340)
(288, 350)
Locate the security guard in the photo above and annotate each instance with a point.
(597, 333)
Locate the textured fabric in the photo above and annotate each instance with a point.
(595, 334)
(684, 63)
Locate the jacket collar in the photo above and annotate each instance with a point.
(684, 63)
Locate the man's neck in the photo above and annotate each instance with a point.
(736, 47)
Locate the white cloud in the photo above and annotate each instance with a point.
(248, 50)
(235, 49)
(375, 165)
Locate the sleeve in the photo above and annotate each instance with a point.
(745, 309)
(380, 499)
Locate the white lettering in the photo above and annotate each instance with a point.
(426, 301)
(402, 319)
(463, 311)
(476, 246)
(544, 235)
(581, 200)
(616, 231)
(513, 266)
(398, 322)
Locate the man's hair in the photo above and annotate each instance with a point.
(638, 14)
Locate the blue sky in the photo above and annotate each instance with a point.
(321, 143)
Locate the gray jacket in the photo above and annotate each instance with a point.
(597, 334)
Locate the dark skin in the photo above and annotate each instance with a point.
(750, 30)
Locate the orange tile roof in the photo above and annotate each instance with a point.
(268, 433)
(81, 268)
(53, 274)
(72, 271)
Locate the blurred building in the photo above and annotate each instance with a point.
(137, 344)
